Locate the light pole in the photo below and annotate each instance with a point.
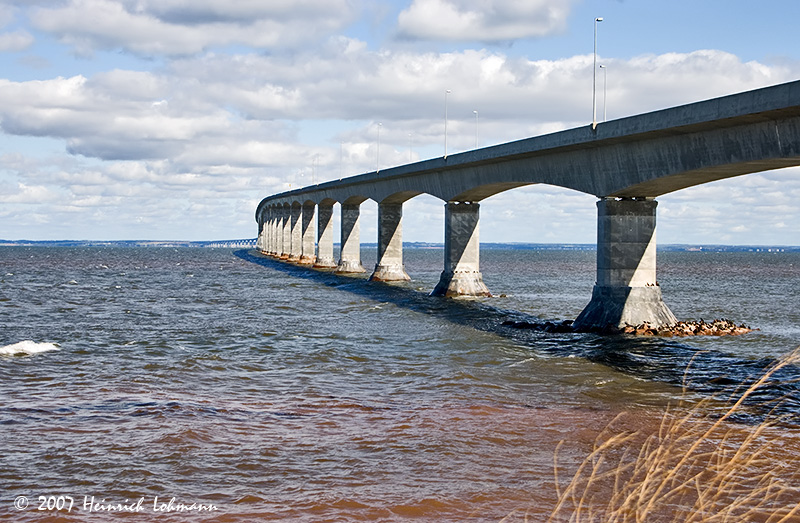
(445, 121)
(476, 128)
(378, 152)
(594, 76)
(605, 72)
(410, 148)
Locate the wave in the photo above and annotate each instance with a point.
(27, 347)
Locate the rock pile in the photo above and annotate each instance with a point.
(683, 328)
(720, 327)
(547, 326)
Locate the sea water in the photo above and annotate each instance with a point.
(161, 384)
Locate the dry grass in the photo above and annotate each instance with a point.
(698, 467)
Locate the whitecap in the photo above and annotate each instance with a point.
(27, 347)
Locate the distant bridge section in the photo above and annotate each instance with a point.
(626, 163)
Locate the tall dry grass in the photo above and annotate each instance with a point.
(699, 466)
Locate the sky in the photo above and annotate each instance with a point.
(172, 119)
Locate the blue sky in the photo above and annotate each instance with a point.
(171, 119)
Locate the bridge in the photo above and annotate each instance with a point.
(625, 163)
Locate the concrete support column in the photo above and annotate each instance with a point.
(390, 244)
(296, 219)
(325, 240)
(268, 231)
(461, 275)
(272, 241)
(275, 237)
(307, 254)
(350, 257)
(261, 242)
(626, 291)
(286, 242)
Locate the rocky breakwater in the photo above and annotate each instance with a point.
(701, 327)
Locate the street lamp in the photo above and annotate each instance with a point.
(594, 76)
(605, 72)
(445, 121)
(476, 128)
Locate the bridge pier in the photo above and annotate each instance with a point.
(350, 256)
(262, 234)
(307, 254)
(266, 232)
(626, 291)
(274, 228)
(286, 241)
(296, 219)
(269, 232)
(461, 275)
(276, 232)
(390, 244)
(325, 239)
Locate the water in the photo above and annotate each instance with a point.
(275, 393)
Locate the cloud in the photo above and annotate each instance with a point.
(482, 20)
(217, 111)
(15, 41)
(182, 27)
(214, 132)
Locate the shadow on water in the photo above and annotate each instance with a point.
(663, 360)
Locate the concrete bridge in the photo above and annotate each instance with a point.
(626, 163)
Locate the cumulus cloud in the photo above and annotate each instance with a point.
(482, 20)
(179, 27)
(242, 110)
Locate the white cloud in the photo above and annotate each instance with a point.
(15, 41)
(178, 27)
(482, 20)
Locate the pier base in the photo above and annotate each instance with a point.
(464, 283)
(616, 307)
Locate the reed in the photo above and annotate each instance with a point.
(699, 466)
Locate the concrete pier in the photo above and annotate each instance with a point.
(325, 239)
(461, 275)
(274, 227)
(307, 233)
(268, 231)
(286, 242)
(296, 238)
(390, 244)
(350, 257)
(277, 232)
(262, 235)
(626, 291)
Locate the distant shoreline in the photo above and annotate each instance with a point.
(250, 243)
